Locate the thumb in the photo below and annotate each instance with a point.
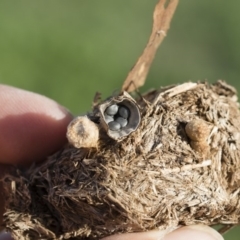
(196, 232)
(32, 126)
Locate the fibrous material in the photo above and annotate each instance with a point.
(180, 167)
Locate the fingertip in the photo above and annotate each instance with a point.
(32, 126)
(151, 235)
(196, 232)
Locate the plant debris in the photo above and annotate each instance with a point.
(153, 179)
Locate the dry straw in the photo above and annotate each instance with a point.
(181, 166)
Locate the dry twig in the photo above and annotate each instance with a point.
(162, 17)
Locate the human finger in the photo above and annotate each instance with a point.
(196, 232)
(32, 126)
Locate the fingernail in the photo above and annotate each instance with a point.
(196, 232)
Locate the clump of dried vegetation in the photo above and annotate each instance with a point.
(180, 166)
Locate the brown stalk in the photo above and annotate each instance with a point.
(162, 17)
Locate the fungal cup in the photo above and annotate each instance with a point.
(125, 103)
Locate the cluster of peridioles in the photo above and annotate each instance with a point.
(116, 116)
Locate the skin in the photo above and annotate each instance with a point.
(32, 127)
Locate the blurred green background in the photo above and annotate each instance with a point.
(68, 50)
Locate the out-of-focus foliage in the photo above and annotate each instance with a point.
(68, 50)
